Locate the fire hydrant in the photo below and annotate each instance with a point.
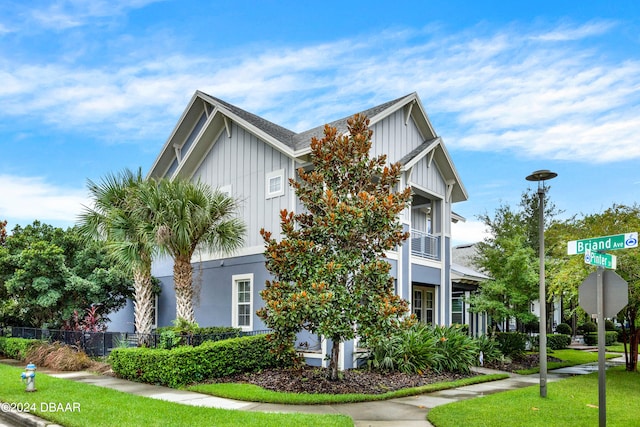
(29, 377)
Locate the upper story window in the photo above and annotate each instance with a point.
(275, 184)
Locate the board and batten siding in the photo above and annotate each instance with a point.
(429, 177)
(242, 162)
(391, 136)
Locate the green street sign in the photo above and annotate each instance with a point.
(606, 243)
(600, 260)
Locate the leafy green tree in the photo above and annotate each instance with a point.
(330, 276)
(49, 273)
(509, 259)
(190, 216)
(120, 219)
(569, 271)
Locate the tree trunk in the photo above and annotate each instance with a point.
(143, 305)
(182, 277)
(632, 361)
(333, 363)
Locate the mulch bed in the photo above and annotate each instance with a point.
(527, 361)
(314, 380)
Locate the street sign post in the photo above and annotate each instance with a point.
(606, 243)
(603, 293)
(600, 260)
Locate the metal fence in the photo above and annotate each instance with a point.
(97, 344)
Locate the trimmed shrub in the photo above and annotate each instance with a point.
(512, 344)
(185, 365)
(16, 348)
(609, 325)
(564, 329)
(558, 341)
(610, 338)
(588, 327)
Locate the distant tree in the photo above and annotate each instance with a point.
(330, 276)
(49, 273)
(119, 218)
(510, 261)
(187, 217)
(569, 271)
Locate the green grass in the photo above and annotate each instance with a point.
(569, 402)
(569, 357)
(253, 393)
(617, 348)
(106, 407)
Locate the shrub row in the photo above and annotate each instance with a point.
(16, 348)
(610, 338)
(558, 341)
(185, 365)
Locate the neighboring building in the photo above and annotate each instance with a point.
(463, 264)
(252, 159)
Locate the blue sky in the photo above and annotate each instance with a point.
(88, 88)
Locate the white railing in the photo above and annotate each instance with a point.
(425, 245)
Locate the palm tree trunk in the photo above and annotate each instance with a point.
(143, 305)
(182, 276)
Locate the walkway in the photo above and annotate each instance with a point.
(406, 411)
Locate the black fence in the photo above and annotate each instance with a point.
(97, 344)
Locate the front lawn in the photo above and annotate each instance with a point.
(569, 402)
(253, 393)
(569, 357)
(91, 405)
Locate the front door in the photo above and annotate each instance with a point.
(423, 304)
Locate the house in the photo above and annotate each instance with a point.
(252, 159)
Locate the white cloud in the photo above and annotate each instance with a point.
(538, 92)
(27, 198)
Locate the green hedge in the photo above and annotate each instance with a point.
(610, 338)
(558, 341)
(15, 348)
(186, 365)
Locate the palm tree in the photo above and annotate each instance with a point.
(191, 216)
(118, 217)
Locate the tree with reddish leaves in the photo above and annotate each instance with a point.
(3, 232)
(330, 276)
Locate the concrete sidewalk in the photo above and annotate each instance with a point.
(406, 411)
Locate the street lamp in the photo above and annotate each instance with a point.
(541, 176)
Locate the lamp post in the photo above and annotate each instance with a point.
(541, 176)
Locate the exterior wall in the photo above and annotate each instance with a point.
(213, 303)
(122, 320)
(395, 139)
(428, 177)
(240, 164)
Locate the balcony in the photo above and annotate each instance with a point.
(425, 245)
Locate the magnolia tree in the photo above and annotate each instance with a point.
(330, 277)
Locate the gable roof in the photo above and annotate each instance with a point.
(217, 112)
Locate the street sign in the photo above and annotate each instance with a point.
(606, 243)
(616, 293)
(600, 260)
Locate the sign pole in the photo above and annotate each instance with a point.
(602, 396)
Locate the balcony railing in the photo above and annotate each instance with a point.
(425, 245)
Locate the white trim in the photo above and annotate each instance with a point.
(270, 176)
(234, 300)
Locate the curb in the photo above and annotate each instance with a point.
(25, 419)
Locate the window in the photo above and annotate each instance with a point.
(242, 310)
(275, 184)
(457, 306)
